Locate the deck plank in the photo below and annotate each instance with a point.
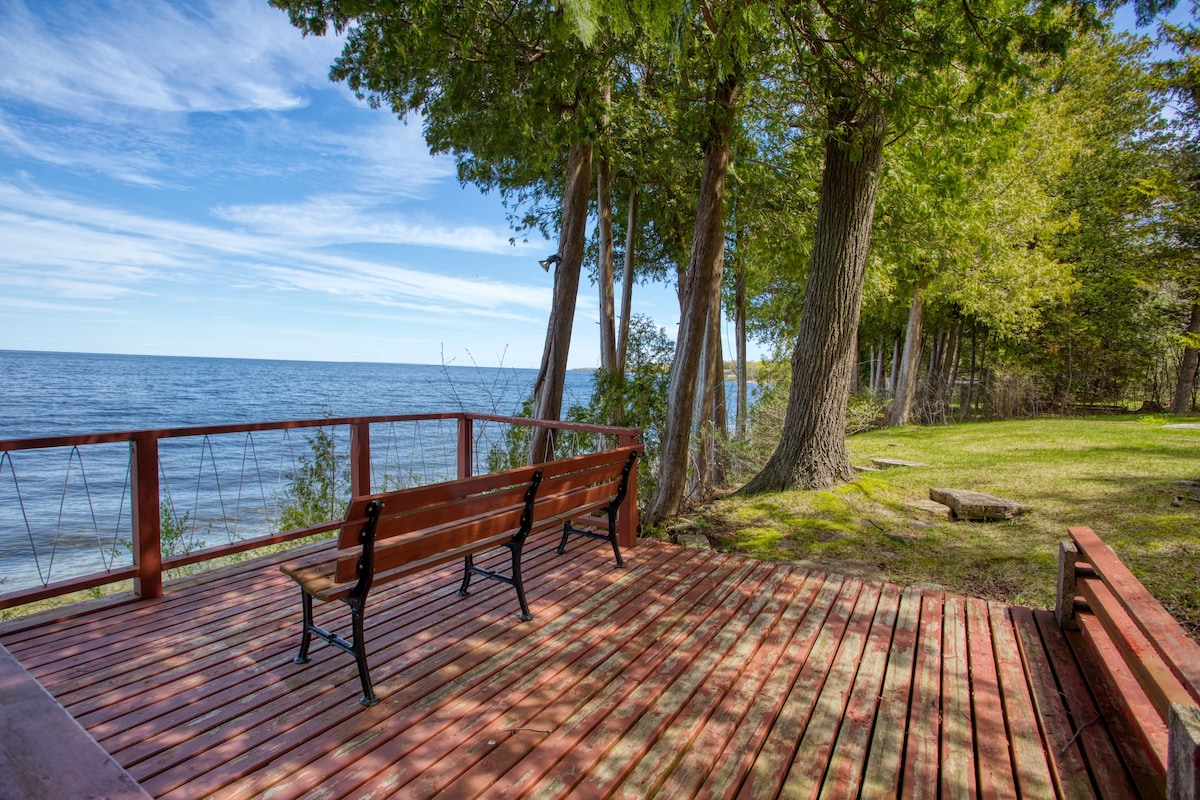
(885, 761)
(807, 770)
(689, 674)
(993, 757)
(958, 744)
(770, 769)
(1025, 739)
(844, 773)
(1069, 771)
(922, 746)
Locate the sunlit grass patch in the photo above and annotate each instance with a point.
(1113, 474)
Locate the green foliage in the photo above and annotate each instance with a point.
(637, 399)
(319, 488)
(177, 537)
(512, 450)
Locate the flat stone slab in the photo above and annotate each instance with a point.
(966, 504)
(1190, 426)
(887, 463)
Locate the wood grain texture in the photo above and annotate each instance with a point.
(688, 674)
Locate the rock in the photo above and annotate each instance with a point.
(966, 504)
(887, 463)
(1189, 426)
(864, 468)
(695, 541)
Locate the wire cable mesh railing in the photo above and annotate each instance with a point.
(130, 505)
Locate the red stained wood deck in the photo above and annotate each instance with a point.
(688, 674)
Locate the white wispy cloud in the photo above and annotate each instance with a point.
(84, 250)
(96, 59)
(347, 219)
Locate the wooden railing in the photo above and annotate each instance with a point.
(149, 563)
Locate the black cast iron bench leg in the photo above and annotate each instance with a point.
(610, 537)
(513, 580)
(369, 698)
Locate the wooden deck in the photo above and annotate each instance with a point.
(688, 674)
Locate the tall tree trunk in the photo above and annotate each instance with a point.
(893, 375)
(906, 384)
(969, 389)
(710, 407)
(548, 388)
(604, 267)
(704, 267)
(1182, 403)
(627, 279)
(739, 333)
(952, 372)
(701, 438)
(718, 418)
(857, 364)
(812, 447)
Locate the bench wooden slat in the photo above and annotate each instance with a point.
(585, 500)
(1167, 636)
(338, 591)
(400, 516)
(1156, 677)
(481, 530)
(1147, 726)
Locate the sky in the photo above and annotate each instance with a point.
(182, 178)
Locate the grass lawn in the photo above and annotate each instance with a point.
(1113, 474)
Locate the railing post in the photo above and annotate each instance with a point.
(146, 517)
(466, 447)
(1183, 753)
(360, 459)
(627, 515)
(1064, 609)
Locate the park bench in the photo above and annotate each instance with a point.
(1143, 668)
(393, 534)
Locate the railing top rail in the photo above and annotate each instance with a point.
(557, 424)
(40, 442)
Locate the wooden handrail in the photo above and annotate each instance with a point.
(144, 471)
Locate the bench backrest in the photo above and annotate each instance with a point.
(596, 481)
(422, 521)
(1164, 658)
(469, 509)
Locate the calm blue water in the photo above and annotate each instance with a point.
(65, 512)
(47, 394)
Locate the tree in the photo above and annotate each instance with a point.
(1103, 340)
(876, 67)
(1180, 78)
(511, 91)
